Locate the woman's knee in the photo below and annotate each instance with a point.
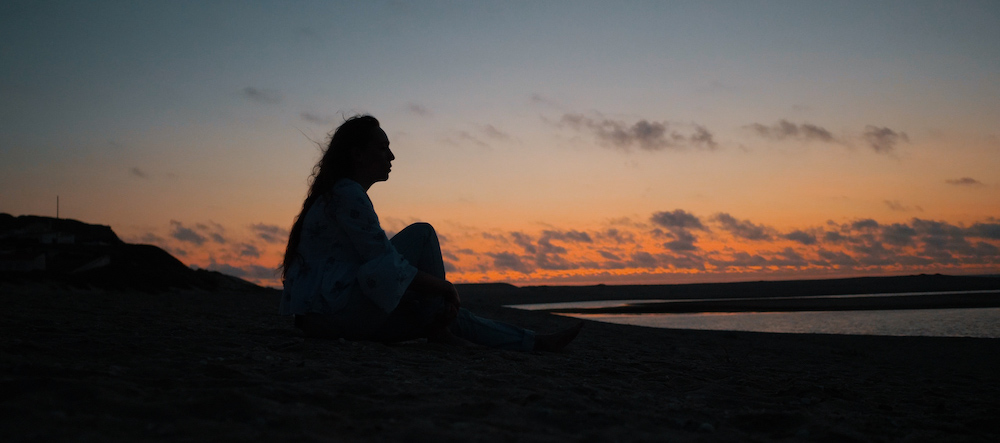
(419, 228)
(417, 233)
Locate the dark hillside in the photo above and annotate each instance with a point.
(42, 249)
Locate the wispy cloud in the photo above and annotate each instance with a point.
(495, 134)
(135, 171)
(677, 219)
(645, 134)
(702, 138)
(743, 229)
(785, 129)
(248, 250)
(541, 100)
(680, 223)
(802, 237)
(510, 261)
(270, 233)
(418, 109)
(265, 96)
(883, 140)
(899, 207)
(316, 118)
(466, 138)
(184, 234)
(964, 181)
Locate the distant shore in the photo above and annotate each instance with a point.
(223, 366)
(750, 289)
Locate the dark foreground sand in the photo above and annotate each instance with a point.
(105, 366)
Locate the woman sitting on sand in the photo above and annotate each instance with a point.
(343, 278)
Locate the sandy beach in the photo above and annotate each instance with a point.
(99, 365)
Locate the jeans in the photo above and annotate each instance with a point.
(362, 320)
(418, 243)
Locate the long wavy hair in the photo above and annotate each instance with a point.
(334, 165)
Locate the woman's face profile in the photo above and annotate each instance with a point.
(372, 161)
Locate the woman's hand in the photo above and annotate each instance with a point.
(431, 286)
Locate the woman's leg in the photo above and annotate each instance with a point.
(492, 333)
(418, 243)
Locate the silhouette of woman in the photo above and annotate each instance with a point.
(343, 278)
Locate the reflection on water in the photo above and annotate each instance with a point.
(618, 303)
(979, 322)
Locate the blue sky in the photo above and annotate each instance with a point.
(505, 116)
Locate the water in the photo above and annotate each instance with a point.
(979, 322)
(976, 322)
(618, 303)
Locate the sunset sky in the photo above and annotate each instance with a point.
(548, 142)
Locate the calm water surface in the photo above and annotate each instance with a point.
(978, 322)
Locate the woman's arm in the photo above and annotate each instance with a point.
(384, 275)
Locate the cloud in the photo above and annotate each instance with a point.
(571, 235)
(985, 230)
(270, 233)
(788, 130)
(883, 140)
(899, 207)
(669, 242)
(964, 181)
(616, 236)
(647, 135)
(836, 258)
(509, 261)
(864, 224)
(741, 259)
(541, 100)
(702, 138)
(495, 134)
(525, 241)
(833, 237)
(683, 261)
(543, 252)
(677, 219)
(609, 255)
(187, 235)
(265, 96)
(138, 172)
(212, 230)
(942, 241)
(464, 138)
(642, 259)
(316, 118)
(801, 236)
(417, 109)
(898, 234)
(743, 228)
(679, 222)
(248, 250)
(682, 241)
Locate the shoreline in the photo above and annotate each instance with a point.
(978, 299)
(223, 366)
